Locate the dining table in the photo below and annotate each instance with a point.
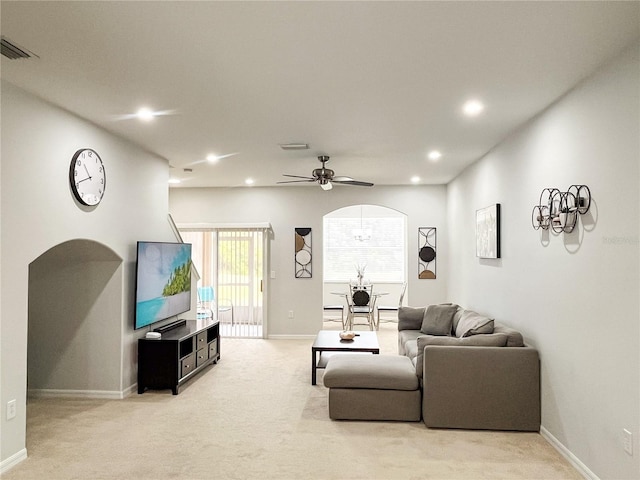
(354, 289)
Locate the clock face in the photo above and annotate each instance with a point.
(87, 177)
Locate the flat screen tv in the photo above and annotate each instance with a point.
(163, 281)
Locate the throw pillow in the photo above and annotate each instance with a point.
(438, 319)
(410, 318)
(472, 323)
(456, 318)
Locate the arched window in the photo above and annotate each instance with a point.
(365, 235)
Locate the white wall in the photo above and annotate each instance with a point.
(575, 297)
(289, 207)
(39, 212)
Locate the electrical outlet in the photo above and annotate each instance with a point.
(273, 274)
(290, 313)
(11, 409)
(627, 441)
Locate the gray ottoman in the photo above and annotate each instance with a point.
(372, 387)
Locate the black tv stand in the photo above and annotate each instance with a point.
(178, 356)
(170, 326)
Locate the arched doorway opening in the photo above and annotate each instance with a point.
(74, 344)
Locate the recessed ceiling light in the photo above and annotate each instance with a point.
(213, 158)
(434, 155)
(145, 114)
(174, 181)
(415, 179)
(249, 181)
(473, 108)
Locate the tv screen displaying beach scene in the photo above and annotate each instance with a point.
(163, 281)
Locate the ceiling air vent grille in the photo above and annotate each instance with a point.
(12, 51)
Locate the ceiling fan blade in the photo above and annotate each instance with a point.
(298, 181)
(353, 182)
(298, 176)
(342, 179)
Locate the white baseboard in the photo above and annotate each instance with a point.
(128, 391)
(13, 460)
(98, 394)
(566, 453)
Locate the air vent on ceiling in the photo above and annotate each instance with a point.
(13, 51)
(294, 146)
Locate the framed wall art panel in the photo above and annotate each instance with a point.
(303, 253)
(488, 232)
(427, 253)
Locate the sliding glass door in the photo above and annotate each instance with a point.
(231, 261)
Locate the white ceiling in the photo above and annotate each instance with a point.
(375, 85)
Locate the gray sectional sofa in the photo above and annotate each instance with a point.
(474, 373)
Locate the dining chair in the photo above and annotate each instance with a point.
(361, 303)
(390, 308)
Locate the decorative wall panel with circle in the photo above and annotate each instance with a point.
(303, 252)
(427, 253)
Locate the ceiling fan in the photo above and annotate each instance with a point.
(325, 177)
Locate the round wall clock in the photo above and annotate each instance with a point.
(87, 177)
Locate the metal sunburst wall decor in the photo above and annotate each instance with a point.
(303, 252)
(427, 252)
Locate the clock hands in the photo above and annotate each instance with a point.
(88, 175)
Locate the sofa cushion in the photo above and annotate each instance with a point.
(411, 349)
(410, 318)
(382, 372)
(481, 340)
(514, 337)
(472, 323)
(405, 339)
(438, 319)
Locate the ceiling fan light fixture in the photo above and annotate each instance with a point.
(294, 146)
(325, 177)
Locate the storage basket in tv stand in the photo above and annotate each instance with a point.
(176, 357)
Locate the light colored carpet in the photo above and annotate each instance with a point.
(256, 415)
